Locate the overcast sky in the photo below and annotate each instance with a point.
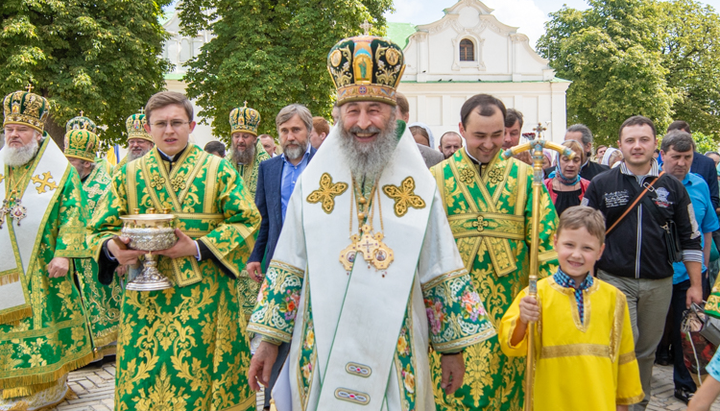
(528, 15)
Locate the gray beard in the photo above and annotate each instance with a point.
(15, 157)
(244, 157)
(368, 160)
(295, 152)
(132, 156)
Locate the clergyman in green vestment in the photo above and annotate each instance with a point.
(101, 302)
(139, 141)
(183, 348)
(43, 335)
(246, 154)
(488, 201)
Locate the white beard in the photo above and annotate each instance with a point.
(368, 160)
(15, 157)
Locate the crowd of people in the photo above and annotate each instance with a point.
(365, 264)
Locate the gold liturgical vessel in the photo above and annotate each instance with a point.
(149, 232)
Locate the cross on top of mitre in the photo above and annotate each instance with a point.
(366, 26)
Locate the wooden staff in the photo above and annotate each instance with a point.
(537, 147)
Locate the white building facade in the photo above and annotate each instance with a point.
(468, 52)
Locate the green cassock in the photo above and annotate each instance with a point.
(102, 302)
(490, 217)
(42, 342)
(184, 348)
(249, 173)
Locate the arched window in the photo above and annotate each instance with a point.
(467, 50)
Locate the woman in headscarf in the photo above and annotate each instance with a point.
(422, 134)
(565, 185)
(611, 157)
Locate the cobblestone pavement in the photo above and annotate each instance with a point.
(95, 386)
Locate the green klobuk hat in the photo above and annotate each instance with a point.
(26, 107)
(245, 120)
(82, 144)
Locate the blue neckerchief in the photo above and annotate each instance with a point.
(564, 280)
(564, 180)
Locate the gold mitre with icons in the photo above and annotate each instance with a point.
(135, 125)
(366, 68)
(82, 144)
(81, 123)
(26, 107)
(244, 120)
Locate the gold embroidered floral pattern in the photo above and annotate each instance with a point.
(496, 175)
(327, 193)
(404, 196)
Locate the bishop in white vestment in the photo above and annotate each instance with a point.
(366, 274)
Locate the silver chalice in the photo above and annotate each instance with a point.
(149, 232)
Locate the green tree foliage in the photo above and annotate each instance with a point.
(611, 52)
(629, 57)
(691, 54)
(101, 57)
(269, 53)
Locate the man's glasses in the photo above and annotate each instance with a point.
(176, 124)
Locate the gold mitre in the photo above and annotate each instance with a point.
(135, 125)
(366, 68)
(26, 107)
(82, 144)
(245, 120)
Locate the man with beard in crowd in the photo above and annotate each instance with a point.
(276, 182)
(43, 335)
(247, 152)
(139, 141)
(360, 302)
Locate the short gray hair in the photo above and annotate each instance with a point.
(587, 136)
(290, 111)
(678, 140)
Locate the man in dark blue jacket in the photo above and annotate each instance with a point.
(276, 181)
(636, 259)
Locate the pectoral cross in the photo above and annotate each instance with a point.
(4, 210)
(366, 26)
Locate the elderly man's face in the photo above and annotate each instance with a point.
(138, 147)
(83, 167)
(365, 120)
(20, 135)
(577, 136)
(170, 128)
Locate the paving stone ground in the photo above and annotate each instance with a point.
(95, 385)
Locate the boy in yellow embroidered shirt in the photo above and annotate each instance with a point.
(584, 348)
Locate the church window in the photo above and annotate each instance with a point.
(467, 50)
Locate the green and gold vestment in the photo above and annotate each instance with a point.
(490, 217)
(184, 348)
(102, 302)
(247, 286)
(40, 344)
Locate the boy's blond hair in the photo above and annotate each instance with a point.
(577, 217)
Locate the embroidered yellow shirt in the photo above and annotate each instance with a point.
(588, 365)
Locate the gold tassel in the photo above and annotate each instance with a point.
(13, 277)
(53, 376)
(16, 316)
(27, 390)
